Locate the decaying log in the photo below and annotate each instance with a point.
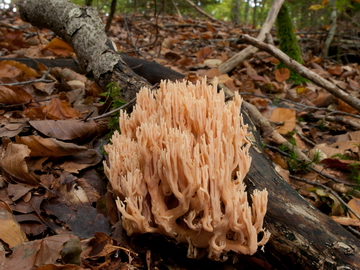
(151, 71)
(302, 237)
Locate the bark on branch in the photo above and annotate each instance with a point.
(83, 29)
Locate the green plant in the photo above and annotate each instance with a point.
(340, 156)
(113, 95)
(295, 164)
(354, 172)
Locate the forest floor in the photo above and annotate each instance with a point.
(52, 187)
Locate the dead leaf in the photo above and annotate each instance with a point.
(10, 231)
(49, 147)
(81, 161)
(18, 68)
(16, 191)
(354, 204)
(70, 129)
(287, 116)
(36, 253)
(59, 47)
(13, 95)
(59, 267)
(346, 221)
(100, 245)
(60, 110)
(203, 54)
(335, 70)
(212, 63)
(210, 73)
(14, 164)
(10, 128)
(282, 74)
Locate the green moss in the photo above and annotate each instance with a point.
(288, 42)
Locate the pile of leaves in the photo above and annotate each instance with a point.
(56, 206)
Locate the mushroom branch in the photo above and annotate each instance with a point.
(178, 169)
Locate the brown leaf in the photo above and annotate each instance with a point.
(354, 85)
(81, 161)
(11, 128)
(13, 164)
(354, 204)
(59, 47)
(13, 95)
(100, 245)
(10, 231)
(60, 110)
(282, 74)
(18, 68)
(342, 106)
(335, 70)
(37, 253)
(49, 147)
(210, 73)
(288, 116)
(210, 27)
(346, 221)
(203, 54)
(68, 129)
(59, 267)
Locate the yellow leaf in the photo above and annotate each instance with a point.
(287, 116)
(316, 7)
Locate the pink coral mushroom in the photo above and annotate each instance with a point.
(178, 168)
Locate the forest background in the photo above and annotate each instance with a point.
(305, 14)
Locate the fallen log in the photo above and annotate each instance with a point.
(302, 237)
(151, 71)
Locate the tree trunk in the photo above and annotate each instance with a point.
(302, 237)
(111, 15)
(247, 52)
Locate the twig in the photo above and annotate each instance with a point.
(354, 231)
(42, 79)
(113, 111)
(338, 119)
(21, 104)
(303, 71)
(311, 167)
(326, 189)
(302, 105)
